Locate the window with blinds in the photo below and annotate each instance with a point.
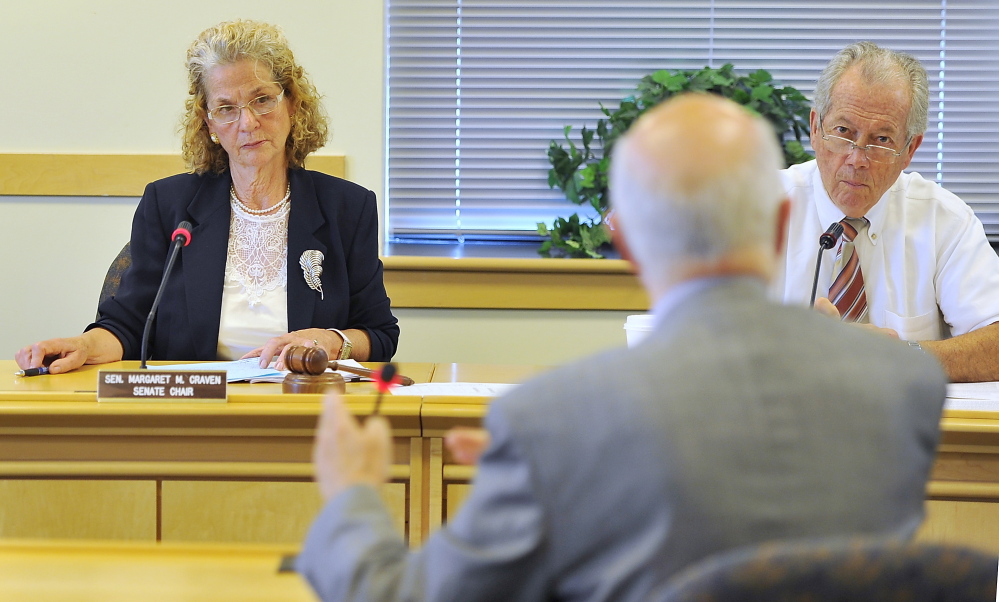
(478, 88)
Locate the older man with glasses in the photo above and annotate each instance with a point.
(913, 260)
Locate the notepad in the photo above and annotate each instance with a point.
(979, 397)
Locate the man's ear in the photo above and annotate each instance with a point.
(783, 221)
(619, 238)
(910, 151)
(813, 124)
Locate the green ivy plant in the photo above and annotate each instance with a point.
(580, 170)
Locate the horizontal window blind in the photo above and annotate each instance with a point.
(478, 88)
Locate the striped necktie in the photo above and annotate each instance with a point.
(847, 290)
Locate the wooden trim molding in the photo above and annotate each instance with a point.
(497, 283)
(50, 174)
(171, 470)
(459, 472)
(412, 282)
(949, 490)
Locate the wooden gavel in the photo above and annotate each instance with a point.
(368, 372)
(308, 372)
(314, 361)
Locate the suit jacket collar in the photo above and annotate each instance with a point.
(711, 295)
(681, 291)
(305, 220)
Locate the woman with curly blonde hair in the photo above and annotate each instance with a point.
(251, 119)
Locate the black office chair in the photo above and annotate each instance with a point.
(839, 571)
(113, 277)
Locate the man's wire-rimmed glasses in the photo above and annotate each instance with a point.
(845, 146)
(261, 105)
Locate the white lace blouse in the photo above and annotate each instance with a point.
(255, 292)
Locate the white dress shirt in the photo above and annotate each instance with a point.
(929, 272)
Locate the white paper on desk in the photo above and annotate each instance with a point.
(236, 371)
(455, 389)
(980, 397)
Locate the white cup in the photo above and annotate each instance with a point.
(637, 327)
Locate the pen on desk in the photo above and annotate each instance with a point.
(32, 371)
(368, 372)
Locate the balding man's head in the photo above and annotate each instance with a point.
(695, 181)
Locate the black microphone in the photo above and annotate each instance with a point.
(826, 241)
(181, 237)
(830, 236)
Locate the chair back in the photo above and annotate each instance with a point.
(113, 277)
(840, 570)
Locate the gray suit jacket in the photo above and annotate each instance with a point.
(736, 421)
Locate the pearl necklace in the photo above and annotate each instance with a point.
(235, 200)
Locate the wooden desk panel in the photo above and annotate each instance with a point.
(252, 511)
(50, 571)
(202, 463)
(78, 509)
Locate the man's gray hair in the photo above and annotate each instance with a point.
(692, 212)
(878, 66)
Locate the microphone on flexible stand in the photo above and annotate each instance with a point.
(826, 241)
(181, 237)
(385, 379)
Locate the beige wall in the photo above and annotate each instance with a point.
(107, 76)
(509, 336)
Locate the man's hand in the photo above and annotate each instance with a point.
(466, 444)
(825, 307)
(347, 453)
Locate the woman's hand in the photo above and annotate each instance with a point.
(312, 337)
(278, 346)
(97, 346)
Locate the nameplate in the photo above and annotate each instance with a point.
(162, 386)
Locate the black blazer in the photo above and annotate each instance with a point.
(328, 214)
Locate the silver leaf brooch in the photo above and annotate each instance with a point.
(312, 267)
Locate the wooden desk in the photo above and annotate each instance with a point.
(71, 467)
(241, 471)
(963, 492)
(448, 482)
(44, 571)
(962, 495)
